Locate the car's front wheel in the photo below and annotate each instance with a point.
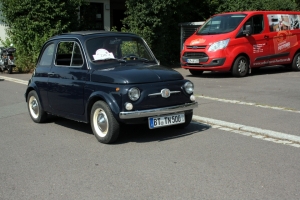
(105, 127)
(35, 109)
(240, 67)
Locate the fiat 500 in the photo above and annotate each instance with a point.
(107, 79)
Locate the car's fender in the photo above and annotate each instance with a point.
(108, 98)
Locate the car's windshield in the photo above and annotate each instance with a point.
(221, 24)
(119, 48)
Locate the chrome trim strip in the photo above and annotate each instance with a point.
(159, 93)
(157, 111)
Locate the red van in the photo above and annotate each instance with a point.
(241, 41)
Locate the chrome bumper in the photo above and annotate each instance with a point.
(157, 111)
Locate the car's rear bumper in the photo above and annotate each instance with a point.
(157, 111)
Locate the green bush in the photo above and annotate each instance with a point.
(31, 22)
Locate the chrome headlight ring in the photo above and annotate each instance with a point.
(189, 87)
(134, 94)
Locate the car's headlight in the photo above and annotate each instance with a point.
(189, 87)
(182, 46)
(218, 45)
(134, 93)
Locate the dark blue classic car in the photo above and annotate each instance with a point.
(107, 79)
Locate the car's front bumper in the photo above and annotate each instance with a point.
(157, 111)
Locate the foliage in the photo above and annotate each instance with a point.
(158, 23)
(242, 5)
(31, 22)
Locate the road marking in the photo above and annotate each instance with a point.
(248, 104)
(264, 134)
(14, 80)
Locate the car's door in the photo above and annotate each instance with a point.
(259, 41)
(41, 71)
(67, 79)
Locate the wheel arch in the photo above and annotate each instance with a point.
(100, 96)
(298, 51)
(241, 54)
(31, 86)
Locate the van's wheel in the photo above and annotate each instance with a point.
(35, 109)
(105, 127)
(188, 119)
(240, 66)
(296, 62)
(195, 72)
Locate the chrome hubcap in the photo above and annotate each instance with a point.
(101, 124)
(34, 107)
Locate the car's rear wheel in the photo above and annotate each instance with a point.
(296, 62)
(105, 127)
(35, 109)
(195, 72)
(240, 67)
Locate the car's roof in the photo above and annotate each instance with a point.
(91, 33)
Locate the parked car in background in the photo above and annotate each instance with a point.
(241, 41)
(107, 79)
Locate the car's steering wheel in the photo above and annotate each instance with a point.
(130, 57)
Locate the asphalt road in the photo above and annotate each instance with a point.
(61, 159)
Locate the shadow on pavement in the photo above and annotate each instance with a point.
(255, 72)
(137, 133)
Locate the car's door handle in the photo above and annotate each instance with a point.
(51, 74)
(266, 37)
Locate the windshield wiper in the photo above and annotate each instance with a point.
(108, 59)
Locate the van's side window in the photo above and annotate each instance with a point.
(257, 24)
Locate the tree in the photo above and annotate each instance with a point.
(158, 23)
(31, 22)
(243, 5)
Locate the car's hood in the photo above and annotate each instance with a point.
(199, 40)
(131, 74)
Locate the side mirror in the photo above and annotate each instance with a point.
(248, 30)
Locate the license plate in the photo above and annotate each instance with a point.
(192, 60)
(166, 120)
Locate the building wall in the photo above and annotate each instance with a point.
(106, 7)
(2, 33)
(2, 29)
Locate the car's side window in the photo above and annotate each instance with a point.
(47, 56)
(77, 56)
(68, 54)
(257, 24)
